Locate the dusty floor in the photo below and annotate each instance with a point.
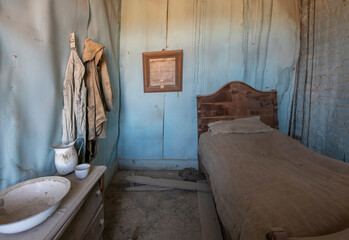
(155, 215)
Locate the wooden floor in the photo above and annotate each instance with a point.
(154, 215)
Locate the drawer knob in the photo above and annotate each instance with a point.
(101, 222)
(98, 192)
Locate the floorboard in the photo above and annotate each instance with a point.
(150, 215)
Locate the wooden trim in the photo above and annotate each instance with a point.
(236, 100)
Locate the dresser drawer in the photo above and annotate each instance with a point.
(95, 230)
(78, 226)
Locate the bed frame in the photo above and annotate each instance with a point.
(236, 100)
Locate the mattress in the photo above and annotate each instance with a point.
(268, 180)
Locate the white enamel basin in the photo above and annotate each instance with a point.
(29, 203)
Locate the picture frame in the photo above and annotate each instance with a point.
(162, 71)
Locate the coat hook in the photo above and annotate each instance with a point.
(72, 40)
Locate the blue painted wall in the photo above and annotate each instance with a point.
(34, 40)
(252, 41)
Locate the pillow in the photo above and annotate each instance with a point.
(241, 125)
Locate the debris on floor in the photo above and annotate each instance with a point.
(191, 174)
(155, 215)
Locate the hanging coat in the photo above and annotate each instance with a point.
(74, 97)
(99, 97)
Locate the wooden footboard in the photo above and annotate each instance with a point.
(280, 234)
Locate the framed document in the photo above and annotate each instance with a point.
(162, 71)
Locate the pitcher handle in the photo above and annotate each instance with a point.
(83, 142)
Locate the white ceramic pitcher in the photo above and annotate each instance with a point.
(66, 158)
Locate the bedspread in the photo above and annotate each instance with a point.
(267, 180)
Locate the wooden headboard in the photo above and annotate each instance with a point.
(236, 100)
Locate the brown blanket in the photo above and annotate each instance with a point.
(267, 180)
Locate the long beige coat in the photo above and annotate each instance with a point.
(99, 97)
(74, 97)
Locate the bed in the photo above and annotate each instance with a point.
(265, 184)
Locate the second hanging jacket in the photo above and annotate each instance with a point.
(99, 97)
